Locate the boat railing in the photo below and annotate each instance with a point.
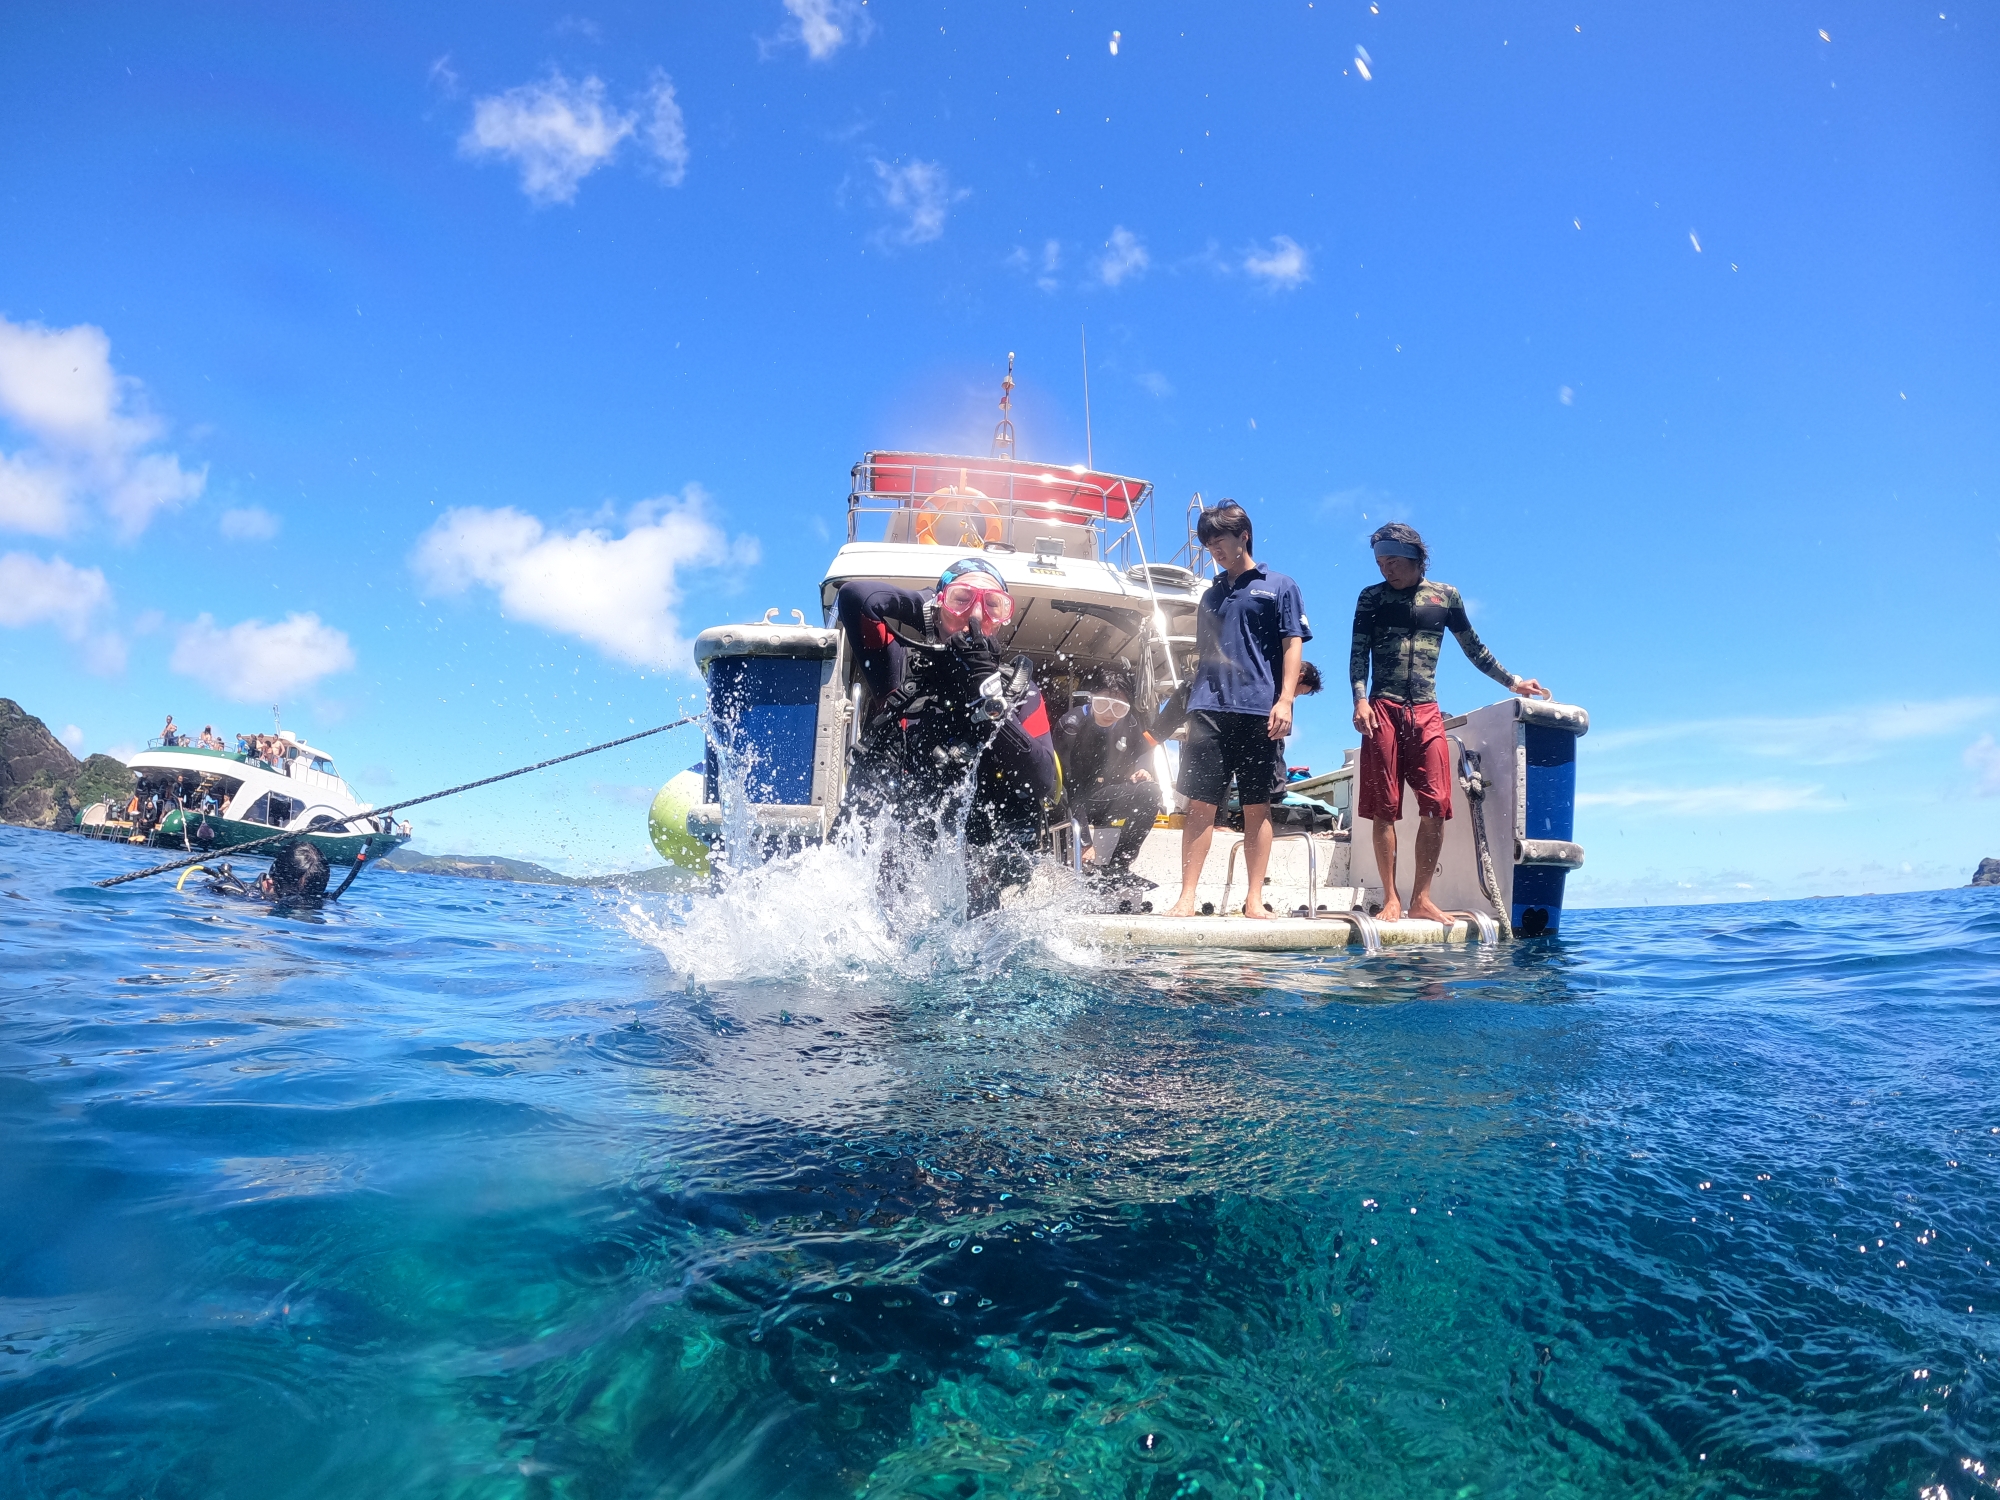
(193, 742)
(954, 501)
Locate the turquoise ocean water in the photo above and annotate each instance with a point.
(472, 1189)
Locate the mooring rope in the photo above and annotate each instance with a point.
(377, 812)
(1475, 795)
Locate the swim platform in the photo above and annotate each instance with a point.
(1273, 935)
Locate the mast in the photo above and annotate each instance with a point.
(1089, 459)
(1003, 431)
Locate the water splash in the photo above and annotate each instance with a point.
(887, 899)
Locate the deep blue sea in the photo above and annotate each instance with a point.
(470, 1189)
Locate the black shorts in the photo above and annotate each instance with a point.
(1220, 746)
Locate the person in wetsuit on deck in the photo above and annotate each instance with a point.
(1399, 627)
(1107, 759)
(952, 729)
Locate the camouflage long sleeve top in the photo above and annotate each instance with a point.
(1401, 631)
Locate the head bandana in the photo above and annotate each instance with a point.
(970, 565)
(1387, 548)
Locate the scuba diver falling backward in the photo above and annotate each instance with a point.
(953, 733)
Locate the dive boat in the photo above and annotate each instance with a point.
(200, 799)
(786, 698)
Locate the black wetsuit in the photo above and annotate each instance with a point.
(1098, 762)
(927, 755)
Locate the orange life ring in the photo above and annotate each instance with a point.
(964, 503)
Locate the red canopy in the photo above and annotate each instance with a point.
(914, 475)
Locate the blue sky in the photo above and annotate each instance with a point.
(439, 377)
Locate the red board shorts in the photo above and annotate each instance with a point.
(1408, 745)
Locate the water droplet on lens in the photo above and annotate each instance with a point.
(977, 1248)
(843, 1296)
(945, 1299)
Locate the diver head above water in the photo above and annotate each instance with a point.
(972, 597)
(297, 877)
(298, 873)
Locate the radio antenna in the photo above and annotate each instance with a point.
(1003, 430)
(1089, 459)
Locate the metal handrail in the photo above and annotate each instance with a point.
(1312, 871)
(1111, 532)
(1488, 929)
(1004, 510)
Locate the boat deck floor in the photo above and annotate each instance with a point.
(1275, 935)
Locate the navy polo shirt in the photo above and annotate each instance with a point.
(1240, 635)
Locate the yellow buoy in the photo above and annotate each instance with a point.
(667, 823)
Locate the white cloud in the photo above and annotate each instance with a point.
(666, 130)
(1044, 265)
(53, 592)
(824, 25)
(620, 593)
(33, 497)
(1715, 801)
(1123, 257)
(89, 435)
(251, 662)
(35, 592)
(1154, 384)
(920, 193)
(1284, 266)
(1839, 738)
(444, 77)
(72, 739)
(555, 131)
(248, 523)
(1982, 758)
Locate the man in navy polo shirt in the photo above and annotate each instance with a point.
(1249, 636)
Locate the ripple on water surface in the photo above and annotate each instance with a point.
(472, 1189)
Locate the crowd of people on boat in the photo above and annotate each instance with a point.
(173, 737)
(955, 735)
(271, 751)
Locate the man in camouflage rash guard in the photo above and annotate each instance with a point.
(1399, 627)
(1401, 631)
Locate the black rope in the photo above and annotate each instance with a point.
(377, 812)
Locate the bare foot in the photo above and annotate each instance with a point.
(1256, 911)
(1429, 911)
(1392, 911)
(1181, 908)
